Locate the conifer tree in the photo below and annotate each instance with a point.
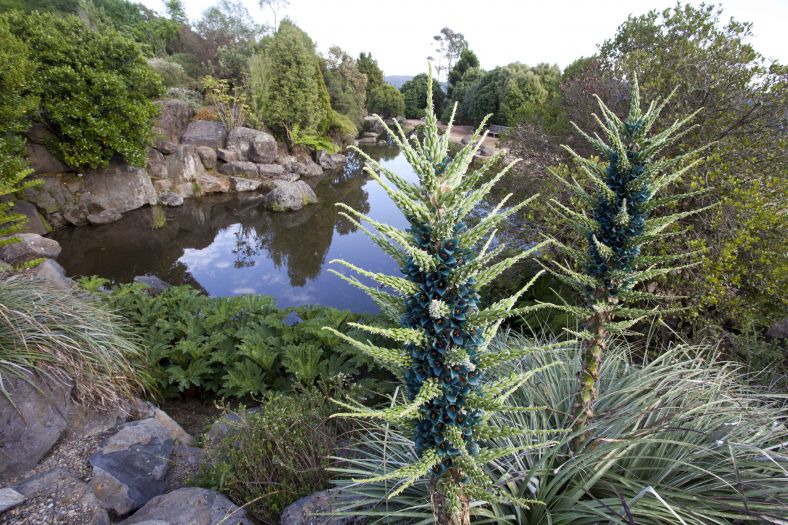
(619, 219)
(440, 330)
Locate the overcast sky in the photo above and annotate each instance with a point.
(399, 32)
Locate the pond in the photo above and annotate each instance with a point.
(230, 245)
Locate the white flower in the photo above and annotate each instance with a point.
(438, 309)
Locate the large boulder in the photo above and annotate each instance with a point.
(58, 497)
(174, 118)
(329, 161)
(208, 157)
(86, 421)
(227, 155)
(308, 510)
(373, 125)
(253, 145)
(43, 161)
(35, 223)
(239, 168)
(31, 422)
(301, 166)
(212, 183)
(190, 506)
(269, 171)
(29, 246)
(9, 498)
(205, 133)
(157, 164)
(130, 466)
(289, 196)
(52, 273)
(104, 217)
(184, 165)
(119, 186)
(242, 184)
(170, 198)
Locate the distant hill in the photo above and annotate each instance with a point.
(398, 80)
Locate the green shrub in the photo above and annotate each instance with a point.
(346, 84)
(342, 129)
(387, 101)
(414, 94)
(682, 433)
(172, 73)
(273, 457)
(68, 336)
(234, 346)
(96, 91)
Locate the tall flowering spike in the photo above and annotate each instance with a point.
(444, 358)
(617, 225)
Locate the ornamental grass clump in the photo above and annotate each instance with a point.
(437, 318)
(619, 217)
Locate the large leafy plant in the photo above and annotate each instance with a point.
(442, 331)
(618, 217)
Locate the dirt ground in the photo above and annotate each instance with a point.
(457, 133)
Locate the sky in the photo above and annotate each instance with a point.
(399, 33)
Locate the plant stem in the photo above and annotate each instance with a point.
(445, 513)
(591, 360)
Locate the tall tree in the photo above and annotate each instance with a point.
(176, 11)
(347, 85)
(448, 47)
(288, 90)
(230, 34)
(414, 92)
(275, 6)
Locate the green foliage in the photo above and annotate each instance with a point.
(468, 61)
(58, 6)
(369, 66)
(275, 456)
(513, 93)
(154, 33)
(70, 337)
(312, 141)
(346, 84)
(230, 102)
(742, 282)
(341, 129)
(617, 220)
(414, 93)
(680, 437)
(440, 332)
(171, 72)
(95, 89)
(234, 346)
(387, 101)
(286, 83)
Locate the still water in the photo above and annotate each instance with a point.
(230, 245)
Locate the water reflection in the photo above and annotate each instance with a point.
(230, 245)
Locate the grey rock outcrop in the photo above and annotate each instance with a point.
(170, 198)
(205, 133)
(212, 183)
(241, 184)
(50, 272)
(307, 510)
(270, 170)
(35, 222)
(43, 161)
(155, 286)
(239, 168)
(190, 506)
(104, 217)
(9, 498)
(29, 246)
(130, 466)
(174, 118)
(288, 196)
(119, 187)
(32, 424)
(303, 167)
(208, 157)
(71, 500)
(253, 145)
(329, 161)
(157, 164)
(227, 155)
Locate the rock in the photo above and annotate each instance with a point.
(211, 183)
(370, 135)
(176, 432)
(170, 198)
(251, 144)
(227, 155)
(241, 184)
(281, 152)
(330, 162)
(10, 498)
(383, 142)
(84, 422)
(778, 330)
(485, 151)
(141, 409)
(165, 146)
(184, 165)
(239, 168)
(52, 273)
(35, 223)
(290, 196)
(286, 177)
(32, 424)
(119, 186)
(184, 464)
(7, 268)
(466, 139)
(154, 284)
(373, 125)
(43, 161)
(29, 246)
(174, 118)
(68, 496)
(77, 212)
(104, 217)
(307, 510)
(129, 468)
(367, 141)
(270, 170)
(305, 168)
(157, 164)
(208, 157)
(228, 424)
(205, 133)
(190, 506)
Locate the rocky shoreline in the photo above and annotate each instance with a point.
(189, 158)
